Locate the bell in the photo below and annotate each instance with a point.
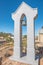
(23, 23)
(23, 20)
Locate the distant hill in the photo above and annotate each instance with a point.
(7, 36)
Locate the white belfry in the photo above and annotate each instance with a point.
(31, 14)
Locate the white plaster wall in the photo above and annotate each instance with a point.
(30, 40)
(17, 39)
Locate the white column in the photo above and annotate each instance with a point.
(30, 40)
(16, 39)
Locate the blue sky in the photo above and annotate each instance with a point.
(9, 6)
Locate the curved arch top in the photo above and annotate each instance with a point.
(24, 8)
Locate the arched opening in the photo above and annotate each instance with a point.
(23, 44)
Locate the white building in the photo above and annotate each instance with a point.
(39, 41)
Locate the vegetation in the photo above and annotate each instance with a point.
(24, 41)
(7, 36)
(25, 36)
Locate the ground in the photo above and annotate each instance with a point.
(6, 50)
(41, 61)
(10, 62)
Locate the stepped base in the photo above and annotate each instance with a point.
(24, 60)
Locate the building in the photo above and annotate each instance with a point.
(39, 44)
(39, 38)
